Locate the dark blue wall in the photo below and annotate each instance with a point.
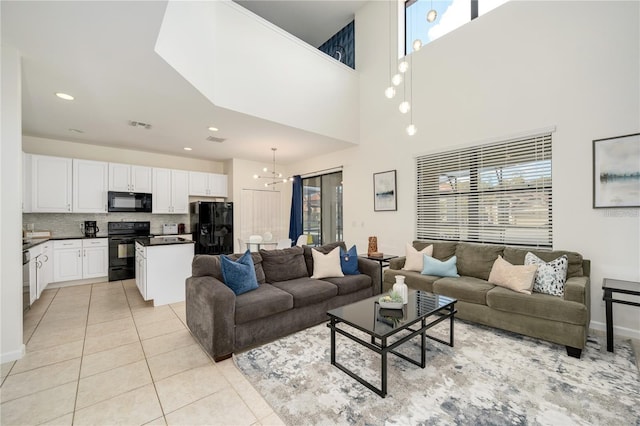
(344, 42)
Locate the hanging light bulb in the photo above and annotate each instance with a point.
(390, 92)
(404, 107)
(411, 129)
(432, 15)
(403, 66)
(417, 44)
(396, 79)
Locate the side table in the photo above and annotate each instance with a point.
(383, 261)
(611, 286)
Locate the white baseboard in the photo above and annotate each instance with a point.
(617, 330)
(13, 355)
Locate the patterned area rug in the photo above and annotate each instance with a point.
(490, 377)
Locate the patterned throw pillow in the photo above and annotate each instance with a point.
(550, 276)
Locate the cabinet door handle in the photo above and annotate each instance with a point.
(85, 253)
(46, 258)
(79, 253)
(68, 207)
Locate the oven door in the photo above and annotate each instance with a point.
(122, 256)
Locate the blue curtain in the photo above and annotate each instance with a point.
(295, 221)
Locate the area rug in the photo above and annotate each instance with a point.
(490, 377)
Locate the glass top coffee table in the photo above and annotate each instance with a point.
(390, 328)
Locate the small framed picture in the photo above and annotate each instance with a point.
(384, 191)
(616, 172)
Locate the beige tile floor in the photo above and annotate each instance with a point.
(98, 354)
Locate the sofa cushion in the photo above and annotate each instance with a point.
(514, 277)
(516, 256)
(326, 265)
(308, 257)
(439, 268)
(414, 259)
(466, 289)
(283, 265)
(537, 305)
(239, 275)
(262, 302)
(550, 276)
(413, 280)
(442, 250)
(257, 264)
(349, 261)
(307, 291)
(476, 260)
(350, 283)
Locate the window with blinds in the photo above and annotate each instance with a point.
(496, 193)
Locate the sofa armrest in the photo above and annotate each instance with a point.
(397, 262)
(211, 311)
(371, 268)
(576, 289)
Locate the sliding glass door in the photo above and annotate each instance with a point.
(322, 208)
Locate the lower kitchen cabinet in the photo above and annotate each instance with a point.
(80, 259)
(161, 272)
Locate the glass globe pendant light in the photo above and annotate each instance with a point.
(396, 79)
(404, 107)
(417, 44)
(403, 66)
(432, 15)
(411, 129)
(390, 92)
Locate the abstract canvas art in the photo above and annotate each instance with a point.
(384, 191)
(616, 172)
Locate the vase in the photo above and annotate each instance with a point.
(373, 246)
(401, 288)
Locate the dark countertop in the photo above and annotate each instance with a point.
(162, 241)
(32, 242)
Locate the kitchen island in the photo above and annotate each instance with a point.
(162, 266)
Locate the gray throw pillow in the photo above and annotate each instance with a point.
(550, 276)
(283, 265)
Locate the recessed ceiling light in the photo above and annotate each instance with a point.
(213, 129)
(64, 96)
(186, 148)
(76, 131)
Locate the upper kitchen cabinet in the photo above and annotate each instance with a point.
(26, 183)
(207, 184)
(170, 191)
(90, 185)
(51, 184)
(129, 178)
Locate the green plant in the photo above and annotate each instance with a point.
(392, 296)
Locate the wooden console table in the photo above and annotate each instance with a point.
(611, 286)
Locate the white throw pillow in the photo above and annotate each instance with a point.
(326, 265)
(518, 278)
(414, 260)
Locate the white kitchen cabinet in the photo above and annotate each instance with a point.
(170, 191)
(44, 274)
(80, 259)
(141, 270)
(51, 184)
(90, 186)
(67, 260)
(161, 271)
(34, 253)
(26, 183)
(95, 258)
(207, 184)
(130, 178)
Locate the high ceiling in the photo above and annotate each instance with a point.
(102, 53)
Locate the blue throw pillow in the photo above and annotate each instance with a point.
(239, 276)
(437, 268)
(349, 261)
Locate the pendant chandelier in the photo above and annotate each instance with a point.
(272, 175)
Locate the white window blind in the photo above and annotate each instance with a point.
(496, 193)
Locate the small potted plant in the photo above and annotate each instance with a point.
(391, 300)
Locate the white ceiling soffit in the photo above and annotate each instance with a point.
(313, 21)
(102, 52)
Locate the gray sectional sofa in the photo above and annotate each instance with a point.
(563, 320)
(286, 300)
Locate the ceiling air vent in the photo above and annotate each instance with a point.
(214, 139)
(139, 124)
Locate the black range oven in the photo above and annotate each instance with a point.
(122, 248)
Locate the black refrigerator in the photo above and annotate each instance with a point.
(212, 227)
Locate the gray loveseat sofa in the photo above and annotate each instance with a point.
(286, 300)
(563, 320)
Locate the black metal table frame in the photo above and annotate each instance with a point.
(383, 262)
(609, 301)
(383, 348)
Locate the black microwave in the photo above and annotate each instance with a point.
(129, 202)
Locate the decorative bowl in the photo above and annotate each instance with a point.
(389, 305)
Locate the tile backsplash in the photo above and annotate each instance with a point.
(70, 224)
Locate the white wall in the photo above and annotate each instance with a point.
(43, 146)
(243, 63)
(11, 345)
(525, 66)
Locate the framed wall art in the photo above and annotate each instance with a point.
(384, 191)
(616, 172)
